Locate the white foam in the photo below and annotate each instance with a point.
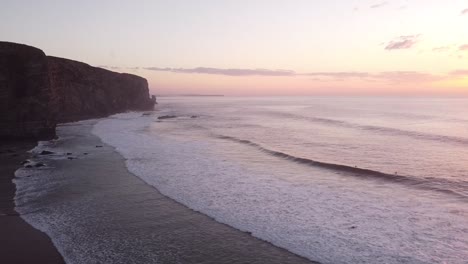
(327, 219)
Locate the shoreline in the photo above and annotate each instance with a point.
(21, 242)
(125, 211)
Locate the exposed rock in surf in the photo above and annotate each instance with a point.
(39, 164)
(46, 152)
(167, 117)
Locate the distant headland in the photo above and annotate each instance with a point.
(38, 91)
(208, 95)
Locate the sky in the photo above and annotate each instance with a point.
(258, 47)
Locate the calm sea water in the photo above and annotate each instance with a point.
(419, 143)
(336, 180)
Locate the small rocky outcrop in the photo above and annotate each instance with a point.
(166, 117)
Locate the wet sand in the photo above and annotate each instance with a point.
(115, 217)
(19, 241)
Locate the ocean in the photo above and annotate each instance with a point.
(332, 179)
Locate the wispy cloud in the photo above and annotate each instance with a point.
(389, 76)
(258, 72)
(109, 67)
(407, 77)
(464, 11)
(338, 75)
(441, 48)
(228, 72)
(381, 4)
(402, 42)
(460, 73)
(463, 47)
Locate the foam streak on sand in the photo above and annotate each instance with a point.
(325, 217)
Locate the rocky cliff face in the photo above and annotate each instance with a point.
(25, 105)
(81, 91)
(37, 91)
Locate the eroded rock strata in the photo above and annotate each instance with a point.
(37, 91)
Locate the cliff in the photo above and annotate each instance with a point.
(25, 94)
(38, 91)
(81, 91)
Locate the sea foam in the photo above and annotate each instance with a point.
(326, 218)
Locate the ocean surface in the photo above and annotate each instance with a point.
(335, 180)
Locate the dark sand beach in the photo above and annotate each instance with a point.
(19, 241)
(115, 217)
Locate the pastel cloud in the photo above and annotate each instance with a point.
(389, 76)
(408, 77)
(460, 73)
(402, 42)
(258, 72)
(109, 67)
(441, 48)
(228, 72)
(381, 4)
(339, 75)
(463, 47)
(464, 12)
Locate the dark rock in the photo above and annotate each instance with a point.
(353, 227)
(69, 153)
(81, 91)
(25, 162)
(98, 146)
(28, 166)
(167, 117)
(194, 116)
(39, 164)
(86, 153)
(46, 152)
(37, 91)
(25, 94)
(70, 158)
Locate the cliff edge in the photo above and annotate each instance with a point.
(38, 91)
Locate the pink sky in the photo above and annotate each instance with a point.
(259, 47)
